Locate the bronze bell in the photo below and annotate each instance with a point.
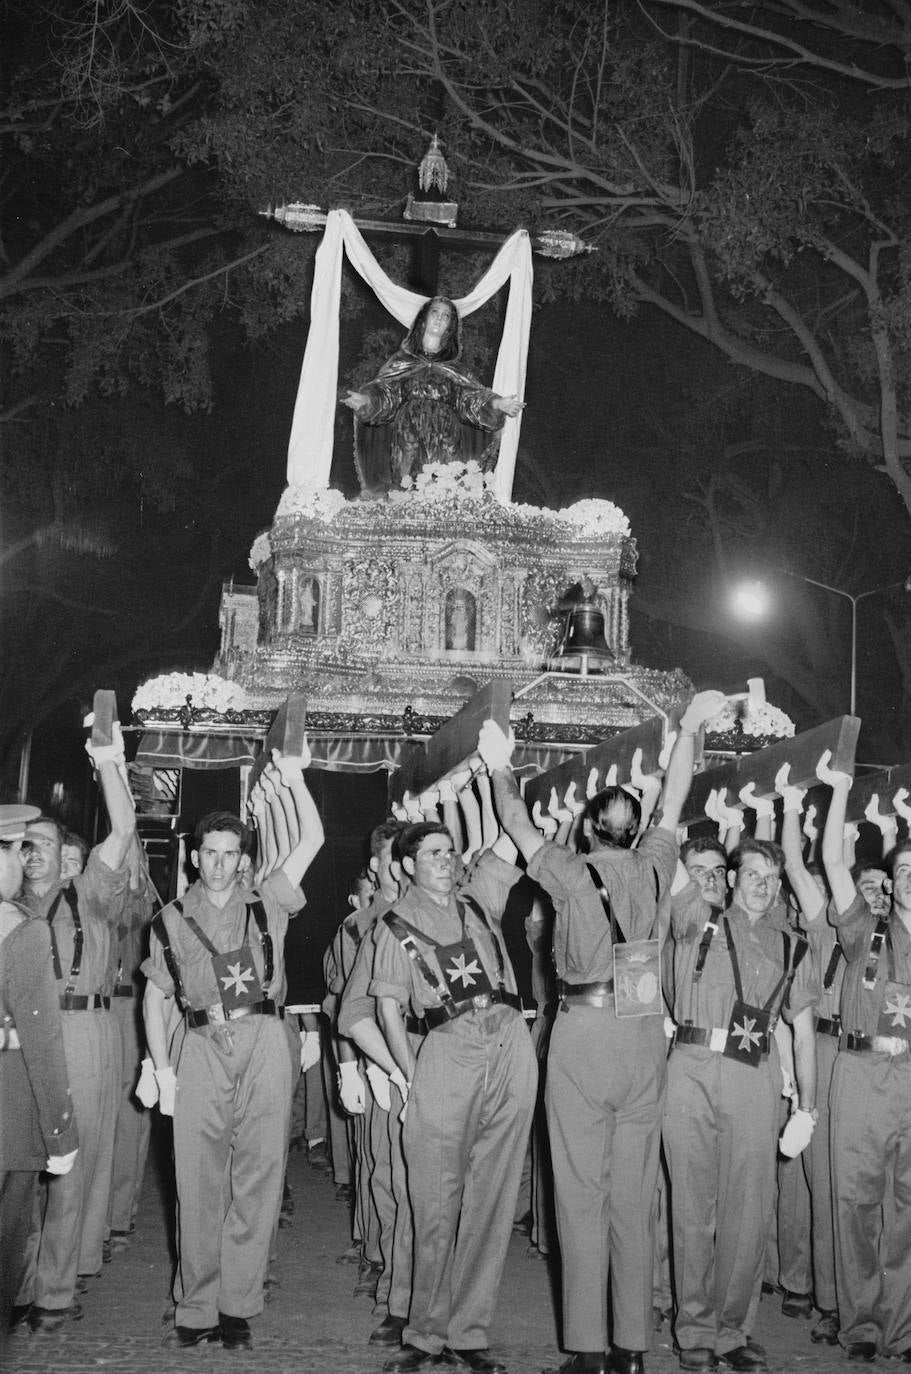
(583, 635)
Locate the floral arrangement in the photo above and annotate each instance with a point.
(596, 517)
(752, 720)
(208, 692)
(260, 551)
(319, 503)
(451, 479)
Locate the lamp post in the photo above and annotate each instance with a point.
(752, 600)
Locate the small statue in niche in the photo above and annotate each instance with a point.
(461, 617)
(309, 605)
(423, 407)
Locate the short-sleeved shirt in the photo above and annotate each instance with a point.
(636, 881)
(341, 955)
(860, 1006)
(760, 950)
(101, 894)
(396, 975)
(356, 1002)
(228, 928)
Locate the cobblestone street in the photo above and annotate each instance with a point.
(314, 1323)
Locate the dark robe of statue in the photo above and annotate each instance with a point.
(423, 408)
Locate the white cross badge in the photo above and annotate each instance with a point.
(238, 977)
(748, 1037)
(461, 969)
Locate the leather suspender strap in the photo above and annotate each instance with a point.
(877, 939)
(800, 949)
(616, 934)
(161, 931)
(498, 951)
(828, 978)
(67, 894)
(709, 931)
(262, 925)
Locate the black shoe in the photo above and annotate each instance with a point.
(744, 1357)
(367, 1279)
(409, 1359)
(343, 1192)
(234, 1332)
(861, 1350)
(582, 1362)
(389, 1331)
(699, 1359)
(621, 1361)
(107, 1252)
(188, 1336)
(797, 1305)
(768, 1288)
(825, 1332)
(318, 1157)
(49, 1319)
(479, 1361)
(18, 1316)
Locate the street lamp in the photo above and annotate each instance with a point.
(751, 600)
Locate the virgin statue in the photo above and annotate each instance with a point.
(423, 408)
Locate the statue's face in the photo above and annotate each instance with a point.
(439, 318)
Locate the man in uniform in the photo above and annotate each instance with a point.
(440, 954)
(605, 1071)
(80, 914)
(212, 1009)
(37, 1124)
(870, 1102)
(733, 976)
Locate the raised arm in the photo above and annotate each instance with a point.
(108, 761)
(811, 901)
(311, 826)
(838, 872)
(496, 751)
(679, 776)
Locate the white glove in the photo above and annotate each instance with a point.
(107, 753)
(560, 813)
(900, 802)
(167, 1090)
(667, 749)
(810, 828)
(494, 747)
(570, 802)
(546, 824)
(788, 1087)
(379, 1086)
(445, 790)
(761, 805)
(729, 816)
(883, 821)
(61, 1164)
(830, 776)
(797, 1133)
(401, 1082)
(310, 1049)
(351, 1089)
(147, 1088)
(711, 805)
(591, 786)
(703, 707)
(791, 797)
(637, 778)
(412, 808)
(399, 811)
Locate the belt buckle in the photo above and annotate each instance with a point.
(216, 1014)
(481, 1002)
(718, 1038)
(596, 999)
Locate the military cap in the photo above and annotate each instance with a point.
(14, 819)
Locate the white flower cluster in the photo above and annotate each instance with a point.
(455, 479)
(208, 690)
(260, 551)
(596, 517)
(319, 503)
(755, 720)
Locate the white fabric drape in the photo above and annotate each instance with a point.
(312, 428)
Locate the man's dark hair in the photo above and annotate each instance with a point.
(214, 821)
(381, 834)
(411, 837)
(616, 833)
(703, 844)
(766, 849)
(75, 841)
(872, 866)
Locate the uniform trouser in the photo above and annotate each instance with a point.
(789, 1255)
(605, 1089)
(662, 1298)
(17, 1190)
(370, 1217)
(720, 1127)
(339, 1122)
(543, 1220)
(399, 1297)
(381, 1193)
(816, 1161)
(76, 1204)
(131, 1133)
(870, 1121)
(230, 1135)
(469, 1110)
